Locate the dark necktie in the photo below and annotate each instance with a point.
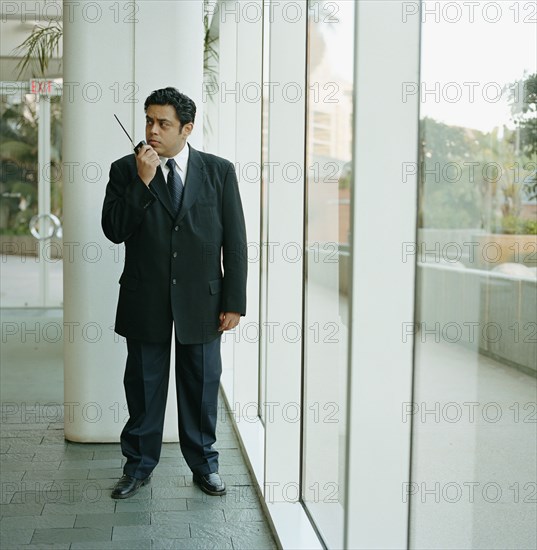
(175, 186)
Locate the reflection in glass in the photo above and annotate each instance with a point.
(26, 262)
(327, 285)
(474, 447)
(264, 211)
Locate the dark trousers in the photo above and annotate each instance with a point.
(197, 374)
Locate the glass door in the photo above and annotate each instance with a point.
(31, 192)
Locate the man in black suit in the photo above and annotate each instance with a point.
(179, 213)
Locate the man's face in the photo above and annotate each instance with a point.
(164, 132)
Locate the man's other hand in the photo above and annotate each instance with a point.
(147, 162)
(228, 320)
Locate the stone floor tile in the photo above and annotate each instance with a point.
(162, 505)
(47, 447)
(112, 520)
(97, 446)
(140, 544)
(44, 546)
(232, 480)
(88, 534)
(236, 479)
(23, 466)
(232, 453)
(90, 464)
(42, 454)
(54, 436)
(34, 522)
(215, 543)
(44, 497)
(30, 509)
(64, 493)
(104, 455)
(24, 433)
(55, 474)
(174, 460)
(226, 502)
(106, 506)
(188, 516)
(59, 445)
(10, 476)
(247, 542)
(12, 538)
(244, 514)
(170, 451)
(109, 473)
(250, 529)
(175, 492)
(76, 452)
(167, 470)
(59, 491)
(206, 502)
(237, 468)
(248, 493)
(224, 445)
(10, 457)
(151, 531)
(86, 486)
(175, 481)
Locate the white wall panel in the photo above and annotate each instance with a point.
(386, 136)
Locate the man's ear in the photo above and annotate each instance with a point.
(187, 128)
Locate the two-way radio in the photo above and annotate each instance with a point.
(137, 147)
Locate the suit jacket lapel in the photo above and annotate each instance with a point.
(195, 179)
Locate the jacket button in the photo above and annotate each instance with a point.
(174, 254)
(176, 228)
(174, 281)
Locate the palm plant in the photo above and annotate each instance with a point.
(37, 50)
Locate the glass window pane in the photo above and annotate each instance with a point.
(474, 446)
(264, 229)
(32, 270)
(327, 284)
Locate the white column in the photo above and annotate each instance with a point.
(247, 128)
(227, 97)
(286, 134)
(130, 35)
(178, 26)
(180, 64)
(248, 159)
(386, 137)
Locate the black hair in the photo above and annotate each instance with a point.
(184, 107)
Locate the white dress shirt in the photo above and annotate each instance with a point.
(181, 163)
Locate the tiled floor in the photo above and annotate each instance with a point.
(56, 494)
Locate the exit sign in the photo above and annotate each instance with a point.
(43, 87)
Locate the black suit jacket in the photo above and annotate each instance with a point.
(173, 267)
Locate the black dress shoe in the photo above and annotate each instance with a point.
(211, 484)
(128, 486)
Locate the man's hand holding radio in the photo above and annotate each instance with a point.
(147, 162)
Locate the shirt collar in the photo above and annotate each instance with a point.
(181, 159)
